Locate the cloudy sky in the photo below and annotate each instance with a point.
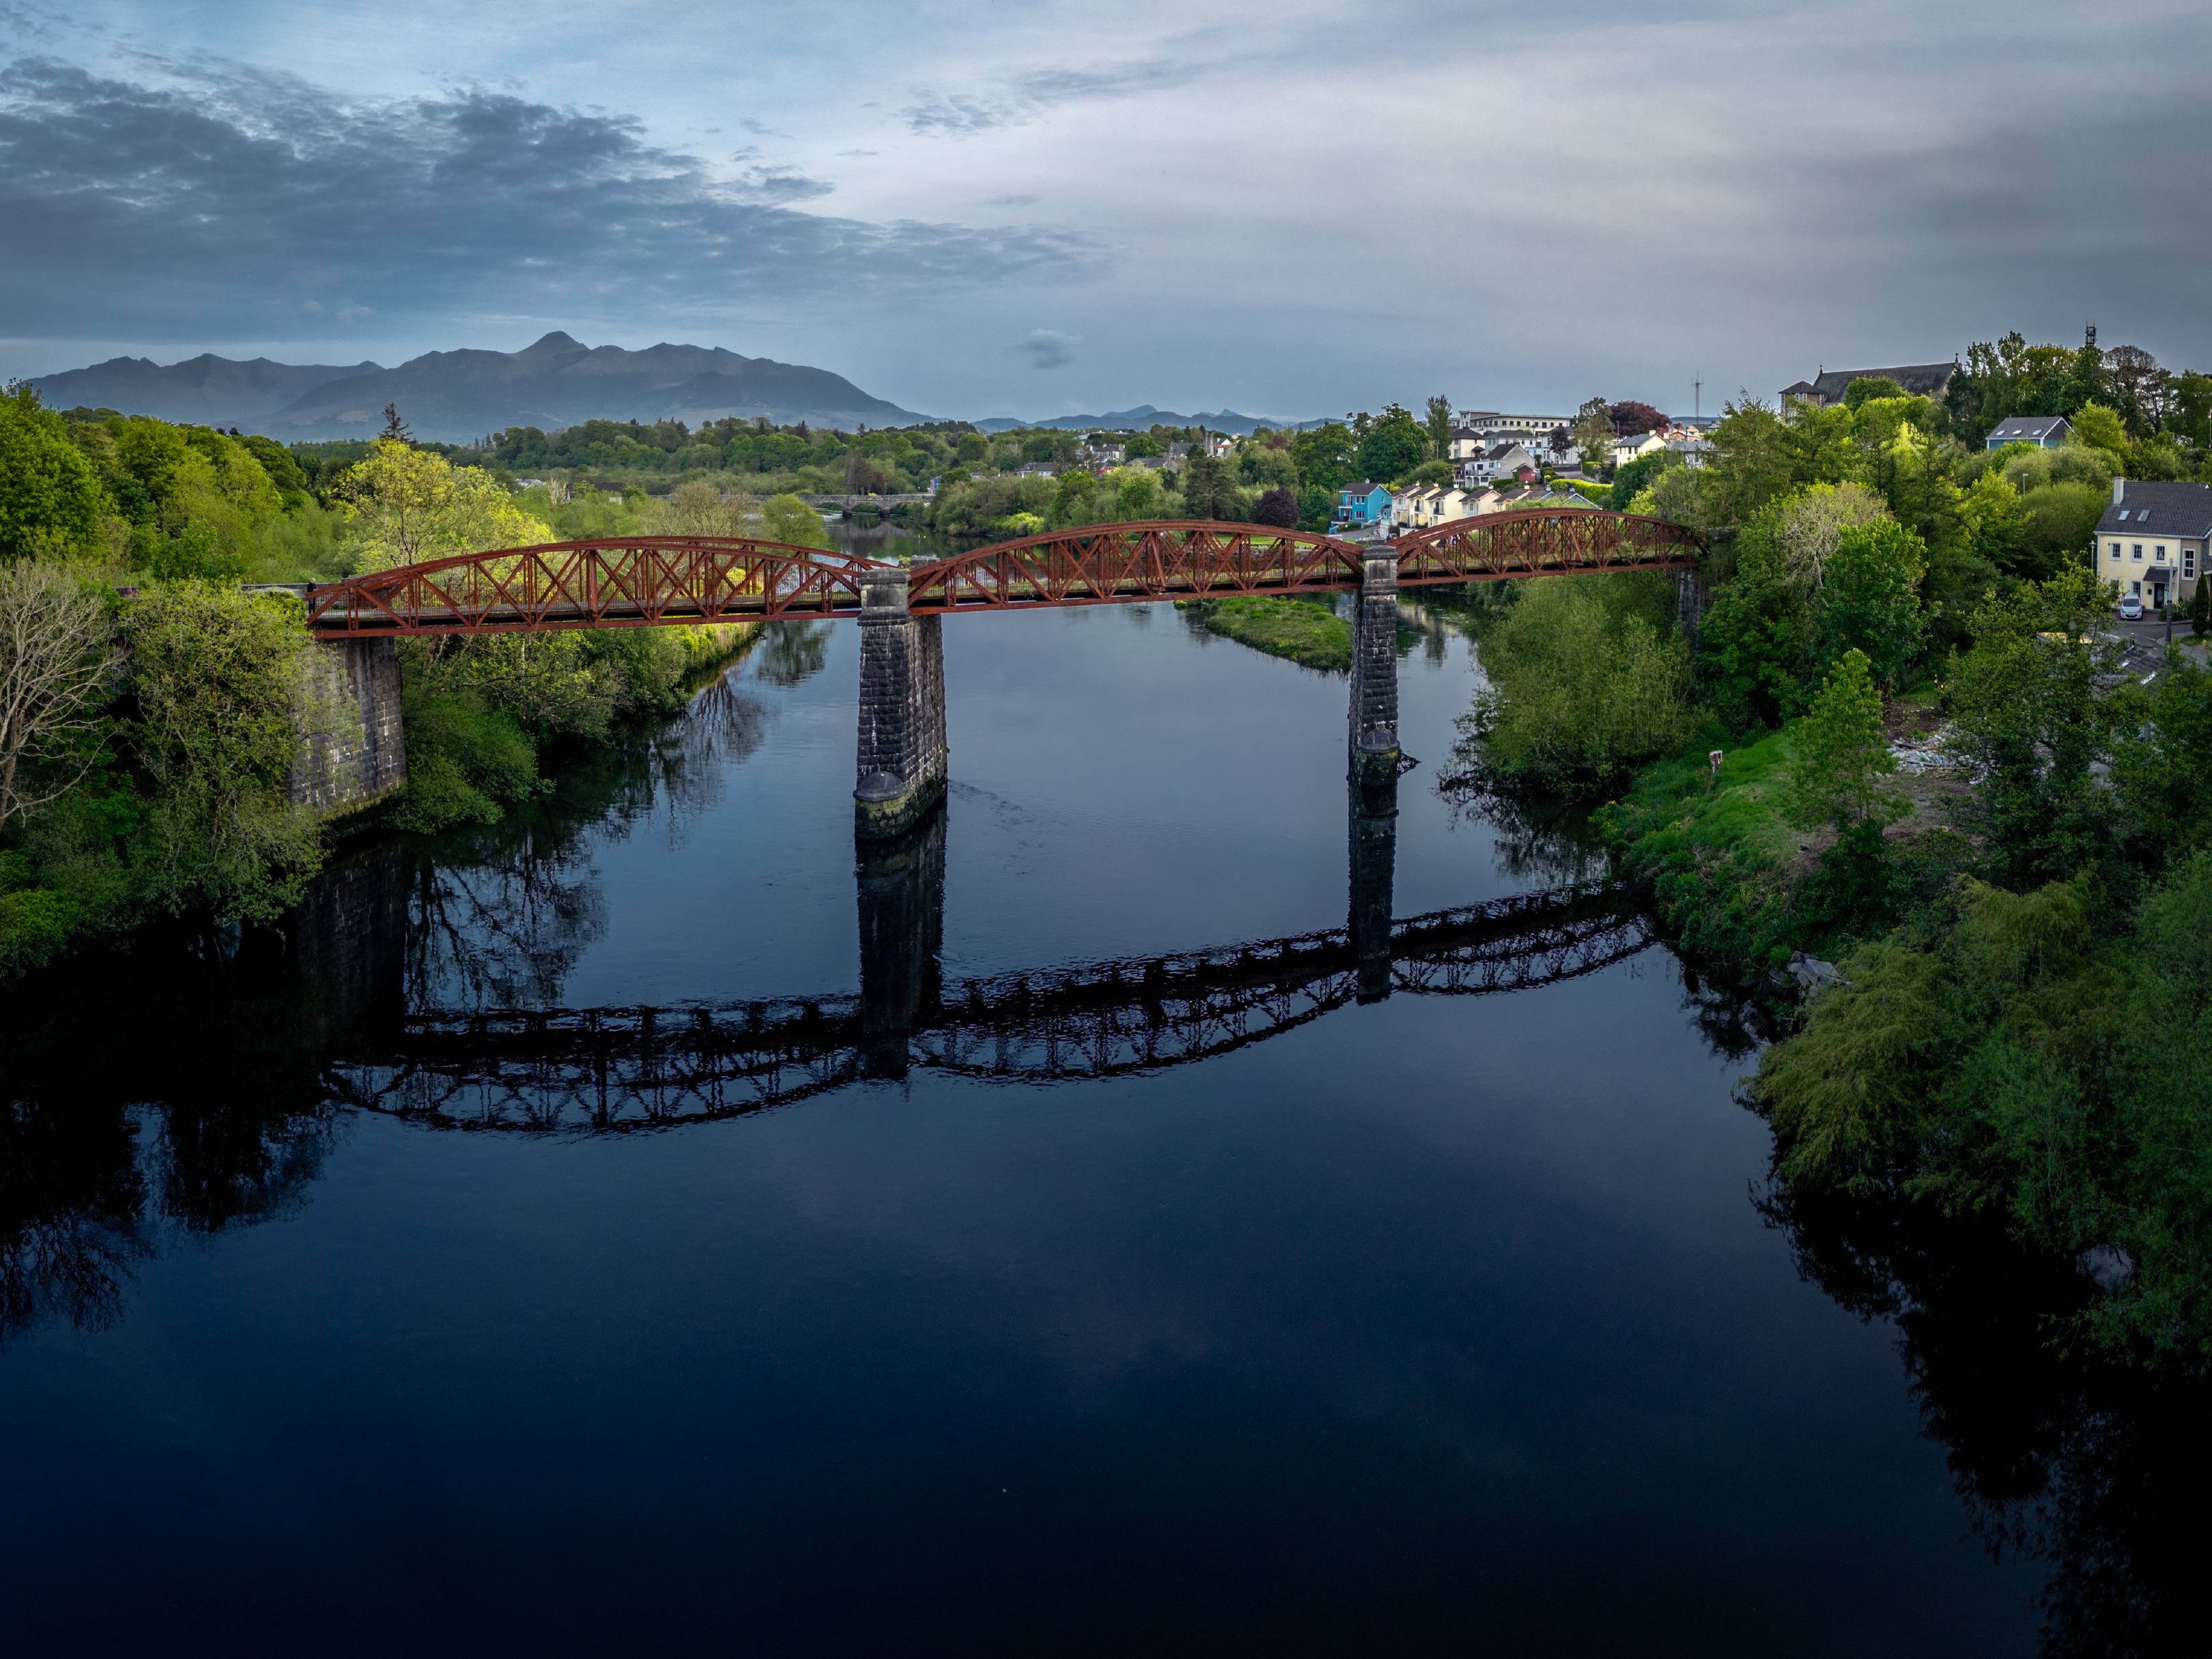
(977, 208)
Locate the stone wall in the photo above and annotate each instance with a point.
(357, 755)
(901, 757)
(1374, 720)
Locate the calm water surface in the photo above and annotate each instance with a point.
(1439, 1319)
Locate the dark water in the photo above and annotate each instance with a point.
(977, 1251)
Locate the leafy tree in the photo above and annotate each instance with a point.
(791, 522)
(2189, 415)
(1809, 524)
(221, 680)
(1317, 508)
(2137, 387)
(2101, 428)
(2161, 766)
(1840, 755)
(1277, 507)
(395, 430)
(55, 661)
(1584, 686)
(1393, 446)
(2200, 605)
(278, 464)
(1869, 386)
(1327, 456)
(1632, 478)
(1208, 492)
(2031, 721)
(1593, 434)
(1631, 418)
(1870, 596)
(50, 495)
(1440, 423)
(1074, 498)
(412, 505)
(2057, 523)
(1751, 465)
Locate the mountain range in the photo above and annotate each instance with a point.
(453, 397)
(1143, 415)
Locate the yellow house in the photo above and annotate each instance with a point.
(2154, 539)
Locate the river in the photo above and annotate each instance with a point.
(336, 1321)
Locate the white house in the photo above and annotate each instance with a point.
(1625, 450)
(1220, 444)
(1499, 461)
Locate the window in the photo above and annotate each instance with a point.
(2161, 553)
(2188, 562)
(2116, 549)
(2138, 552)
(2123, 515)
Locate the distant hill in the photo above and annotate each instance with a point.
(1143, 415)
(202, 390)
(454, 396)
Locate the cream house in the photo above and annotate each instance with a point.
(1625, 450)
(2154, 539)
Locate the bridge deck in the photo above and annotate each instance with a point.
(652, 581)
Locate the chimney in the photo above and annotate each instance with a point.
(2119, 490)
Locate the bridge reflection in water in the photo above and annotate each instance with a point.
(618, 1069)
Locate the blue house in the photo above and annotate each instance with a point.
(2044, 431)
(1364, 503)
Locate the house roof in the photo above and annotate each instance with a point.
(2160, 509)
(1921, 380)
(1364, 487)
(2027, 428)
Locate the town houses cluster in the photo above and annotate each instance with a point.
(1504, 462)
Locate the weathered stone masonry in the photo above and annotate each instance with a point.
(901, 752)
(1375, 752)
(361, 756)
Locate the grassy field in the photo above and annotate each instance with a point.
(1302, 631)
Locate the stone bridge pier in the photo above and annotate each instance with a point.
(901, 753)
(356, 750)
(1375, 753)
(1373, 842)
(902, 894)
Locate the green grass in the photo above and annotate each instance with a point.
(1301, 631)
(1715, 853)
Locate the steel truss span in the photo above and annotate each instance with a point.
(645, 581)
(612, 1070)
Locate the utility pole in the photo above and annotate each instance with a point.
(1698, 400)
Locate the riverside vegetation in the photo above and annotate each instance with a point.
(151, 711)
(2023, 1026)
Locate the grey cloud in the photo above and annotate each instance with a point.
(1047, 348)
(1019, 201)
(958, 116)
(961, 115)
(778, 185)
(224, 201)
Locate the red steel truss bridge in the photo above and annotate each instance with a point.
(649, 580)
(607, 1071)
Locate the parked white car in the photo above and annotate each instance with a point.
(2131, 608)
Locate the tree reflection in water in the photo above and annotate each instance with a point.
(181, 1090)
(2085, 1462)
(501, 915)
(793, 652)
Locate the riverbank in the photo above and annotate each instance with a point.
(1307, 632)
